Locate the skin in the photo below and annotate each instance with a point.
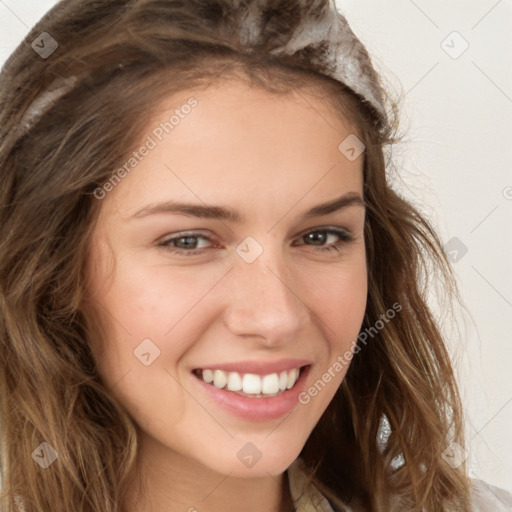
(272, 157)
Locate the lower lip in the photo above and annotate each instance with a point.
(257, 409)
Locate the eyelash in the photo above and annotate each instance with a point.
(344, 236)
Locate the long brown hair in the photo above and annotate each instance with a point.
(127, 56)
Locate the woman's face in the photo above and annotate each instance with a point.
(246, 282)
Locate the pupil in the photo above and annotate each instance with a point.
(317, 237)
(190, 241)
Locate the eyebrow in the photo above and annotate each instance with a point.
(229, 214)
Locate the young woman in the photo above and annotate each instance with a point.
(211, 297)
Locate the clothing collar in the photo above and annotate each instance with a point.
(305, 497)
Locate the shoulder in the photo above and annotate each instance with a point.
(487, 498)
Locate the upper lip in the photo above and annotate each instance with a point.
(258, 367)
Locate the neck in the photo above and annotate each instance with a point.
(167, 481)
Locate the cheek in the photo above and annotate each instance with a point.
(345, 307)
(151, 320)
(340, 309)
(150, 301)
(153, 315)
(340, 304)
(340, 301)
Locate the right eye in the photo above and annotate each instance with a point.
(184, 244)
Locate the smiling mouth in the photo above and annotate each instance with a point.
(249, 384)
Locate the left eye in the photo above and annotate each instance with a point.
(343, 237)
(187, 244)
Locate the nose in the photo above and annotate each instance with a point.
(264, 301)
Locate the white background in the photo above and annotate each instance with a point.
(455, 164)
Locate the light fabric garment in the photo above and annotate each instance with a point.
(486, 498)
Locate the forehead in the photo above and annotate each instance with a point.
(240, 142)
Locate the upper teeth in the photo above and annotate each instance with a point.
(251, 383)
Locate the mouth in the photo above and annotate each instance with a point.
(251, 385)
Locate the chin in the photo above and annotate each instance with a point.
(255, 459)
